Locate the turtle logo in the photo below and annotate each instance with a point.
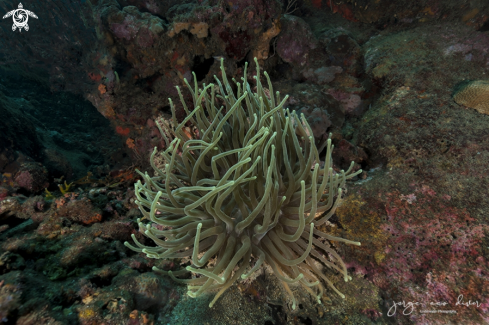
(20, 16)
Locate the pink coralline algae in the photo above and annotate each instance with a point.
(257, 12)
(295, 41)
(3, 193)
(136, 25)
(237, 43)
(145, 38)
(126, 29)
(474, 46)
(32, 177)
(435, 254)
(322, 75)
(350, 102)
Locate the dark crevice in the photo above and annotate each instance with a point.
(165, 109)
(241, 64)
(306, 321)
(484, 27)
(146, 84)
(101, 282)
(202, 66)
(278, 315)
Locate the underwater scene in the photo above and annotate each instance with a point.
(244, 162)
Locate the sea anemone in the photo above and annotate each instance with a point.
(243, 189)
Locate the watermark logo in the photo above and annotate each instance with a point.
(409, 307)
(20, 17)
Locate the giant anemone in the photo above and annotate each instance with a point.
(243, 190)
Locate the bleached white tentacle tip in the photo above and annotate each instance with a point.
(293, 305)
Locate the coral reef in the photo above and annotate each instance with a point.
(473, 94)
(388, 79)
